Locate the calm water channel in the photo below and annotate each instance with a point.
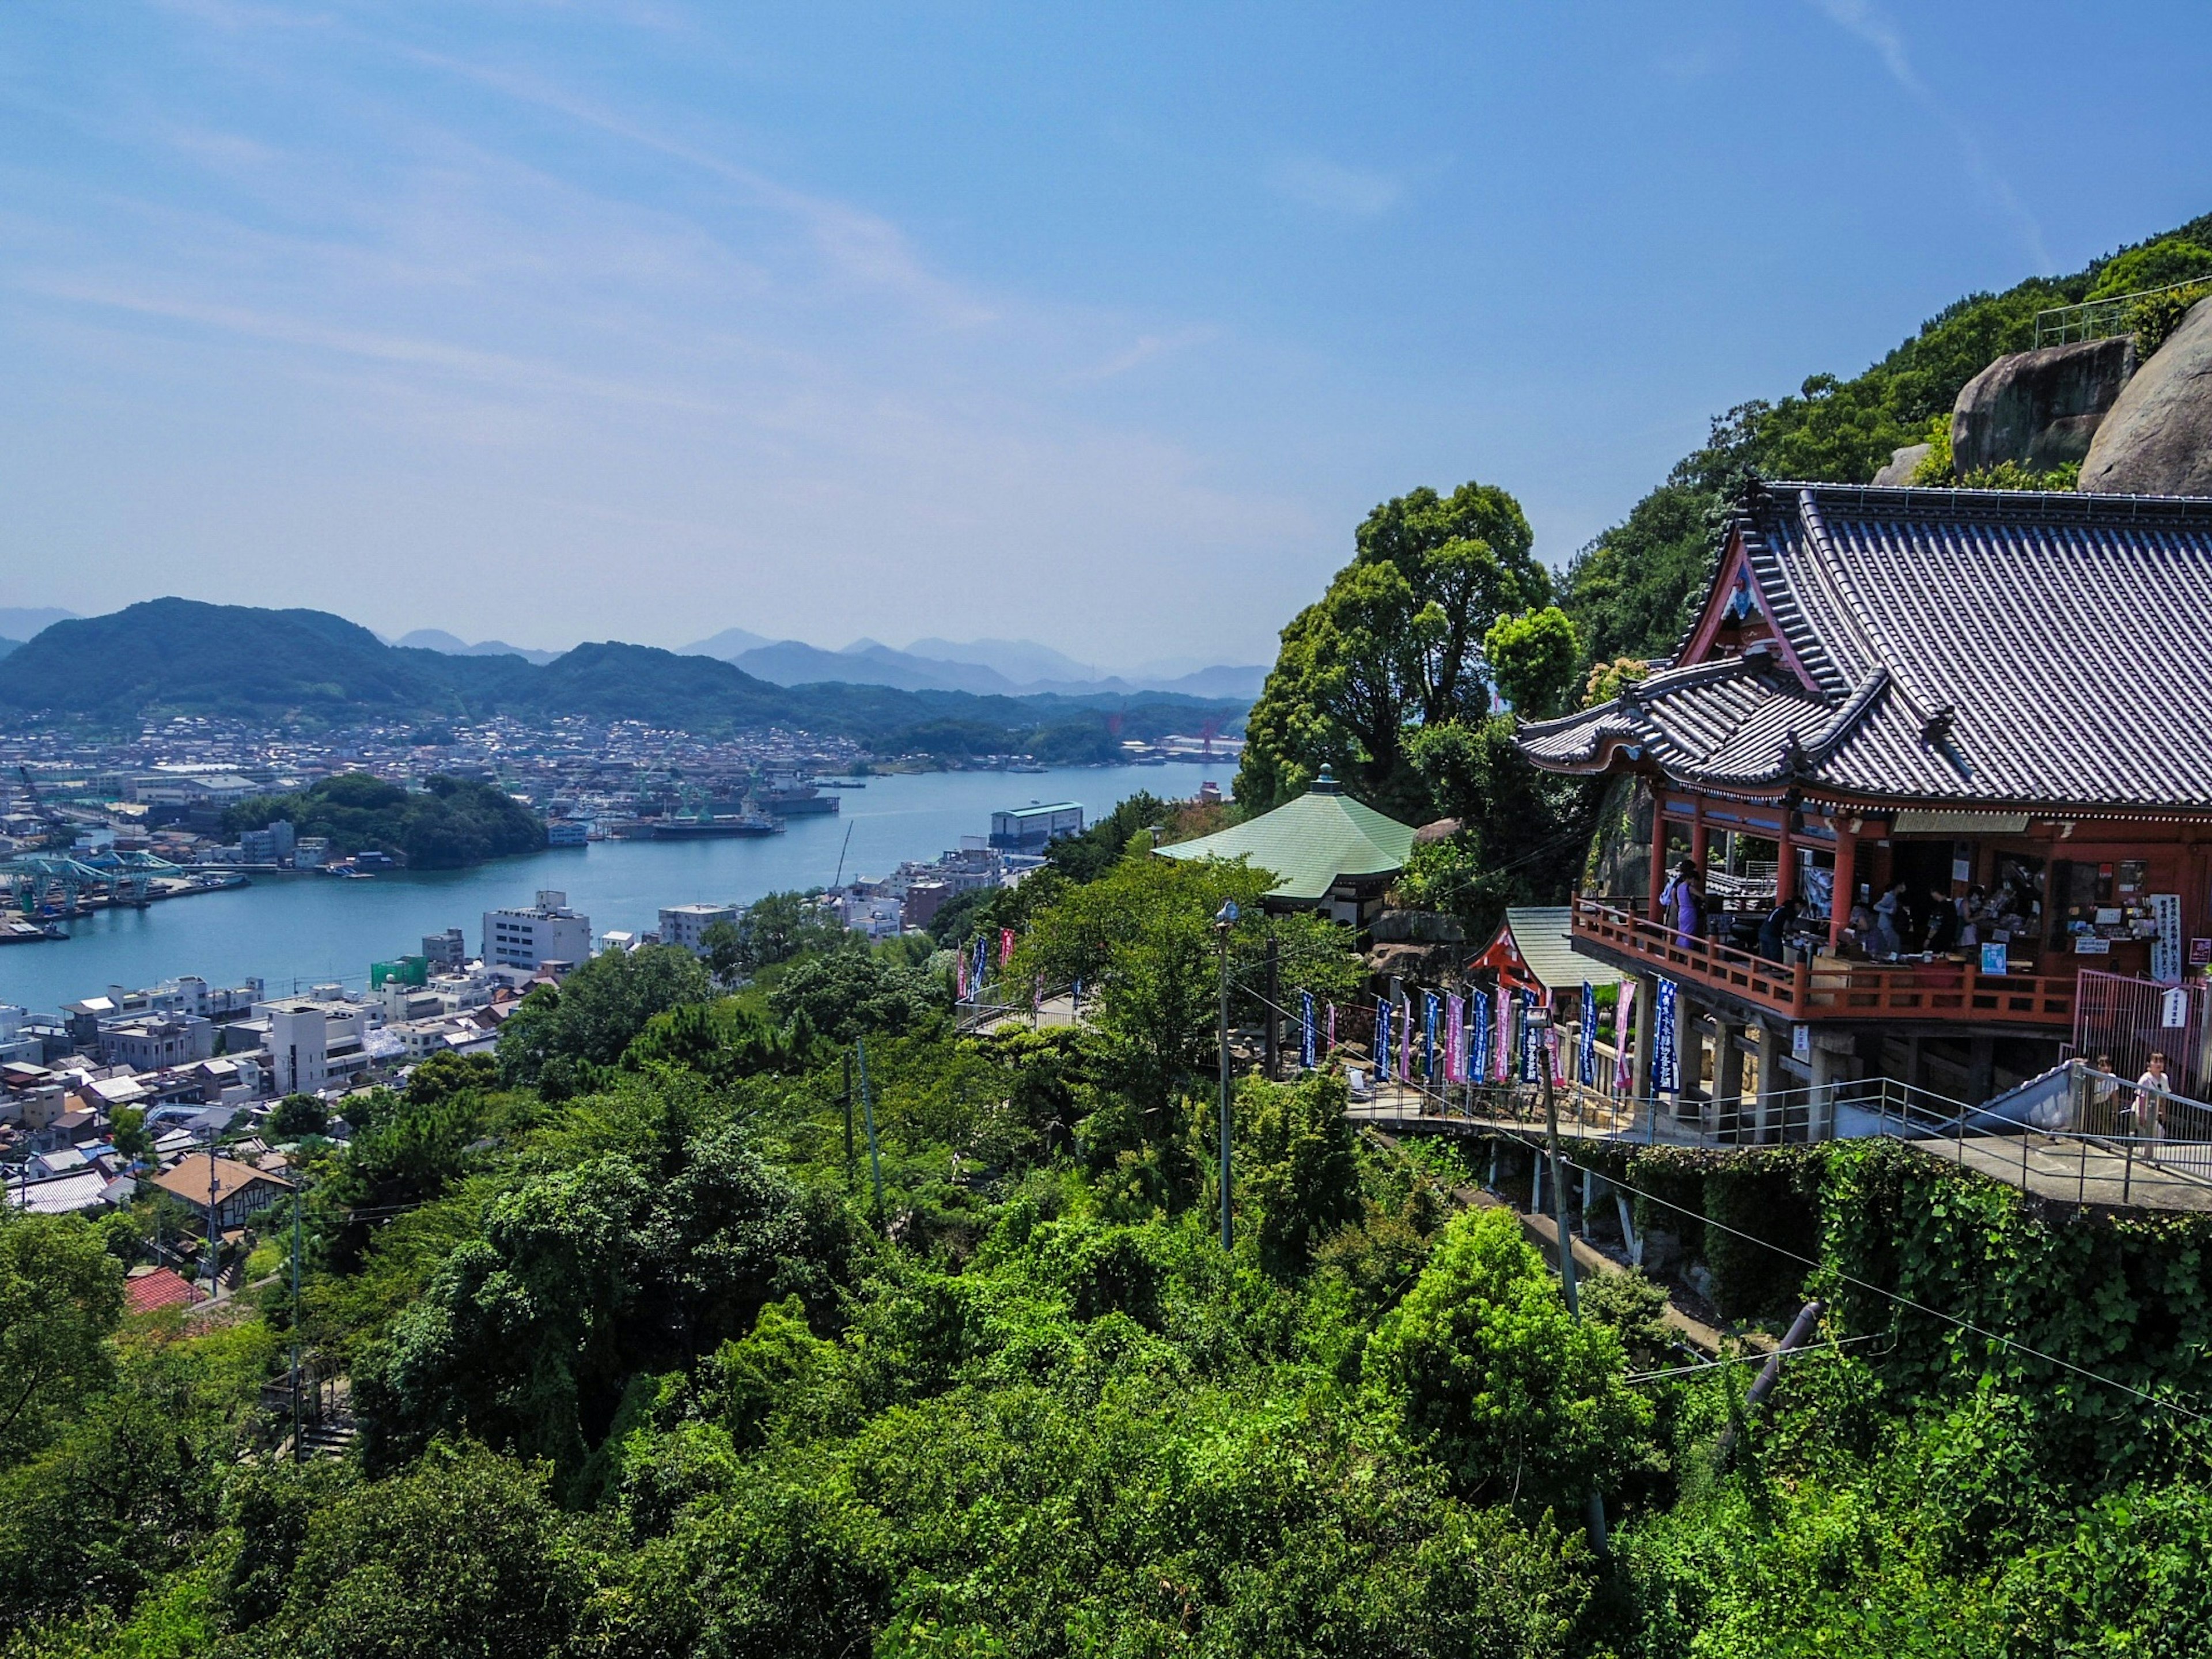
(308, 928)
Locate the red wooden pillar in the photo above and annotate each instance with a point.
(1785, 871)
(1840, 904)
(1658, 861)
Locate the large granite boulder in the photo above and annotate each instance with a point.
(2038, 408)
(2158, 439)
(1903, 464)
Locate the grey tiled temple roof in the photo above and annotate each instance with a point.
(2006, 647)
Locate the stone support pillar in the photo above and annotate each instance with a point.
(1728, 1082)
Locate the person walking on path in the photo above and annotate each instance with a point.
(2151, 1090)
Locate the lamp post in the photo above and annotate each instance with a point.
(1224, 919)
(1539, 1025)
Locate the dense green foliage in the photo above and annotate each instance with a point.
(448, 824)
(649, 1370)
(559, 1035)
(178, 656)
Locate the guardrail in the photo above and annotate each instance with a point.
(2096, 320)
(2070, 1134)
(1827, 987)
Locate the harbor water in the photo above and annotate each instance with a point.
(299, 930)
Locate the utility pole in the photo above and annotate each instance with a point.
(214, 1226)
(1539, 1022)
(868, 1114)
(850, 1169)
(1274, 1003)
(1223, 921)
(298, 1198)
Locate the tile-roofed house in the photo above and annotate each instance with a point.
(1325, 849)
(1533, 950)
(144, 1293)
(1966, 691)
(240, 1190)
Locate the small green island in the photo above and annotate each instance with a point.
(452, 822)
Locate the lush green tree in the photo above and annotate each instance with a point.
(1631, 591)
(298, 1115)
(61, 1294)
(558, 1035)
(723, 1041)
(1521, 1402)
(843, 994)
(1393, 644)
(723, 946)
(1142, 940)
(1533, 658)
(1304, 1165)
(463, 1553)
(1088, 856)
(776, 927)
(132, 1138)
(582, 1277)
(1522, 832)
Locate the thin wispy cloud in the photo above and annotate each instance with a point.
(1874, 28)
(1314, 181)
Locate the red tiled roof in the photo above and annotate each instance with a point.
(159, 1289)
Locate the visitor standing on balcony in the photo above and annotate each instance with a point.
(1887, 941)
(1684, 904)
(1942, 923)
(1774, 931)
(1973, 910)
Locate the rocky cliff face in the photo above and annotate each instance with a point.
(2157, 440)
(2038, 408)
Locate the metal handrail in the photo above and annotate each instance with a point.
(2094, 319)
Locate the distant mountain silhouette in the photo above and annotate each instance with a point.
(437, 638)
(985, 668)
(20, 625)
(183, 657)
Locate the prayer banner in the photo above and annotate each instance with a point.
(1306, 1030)
(1586, 1043)
(1666, 1067)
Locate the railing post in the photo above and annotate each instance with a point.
(2128, 1172)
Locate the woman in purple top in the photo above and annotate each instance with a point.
(1684, 905)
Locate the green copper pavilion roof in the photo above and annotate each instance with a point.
(1307, 843)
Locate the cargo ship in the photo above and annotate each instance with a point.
(797, 800)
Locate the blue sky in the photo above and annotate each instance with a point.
(1101, 324)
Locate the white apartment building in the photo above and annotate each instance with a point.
(314, 1042)
(686, 924)
(548, 931)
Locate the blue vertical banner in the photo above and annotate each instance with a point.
(1306, 1030)
(1529, 1041)
(1586, 1041)
(1479, 1029)
(1381, 1038)
(1666, 1067)
(1430, 1009)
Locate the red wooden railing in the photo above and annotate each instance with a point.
(1827, 988)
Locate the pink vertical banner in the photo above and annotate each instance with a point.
(1331, 1028)
(1552, 1047)
(1502, 1050)
(1005, 945)
(1455, 1039)
(1405, 1048)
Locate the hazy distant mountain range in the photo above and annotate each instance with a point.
(437, 638)
(20, 625)
(179, 657)
(1003, 668)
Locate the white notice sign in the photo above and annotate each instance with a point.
(2173, 1012)
(2165, 949)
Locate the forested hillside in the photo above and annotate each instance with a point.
(656, 1352)
(178, 656)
